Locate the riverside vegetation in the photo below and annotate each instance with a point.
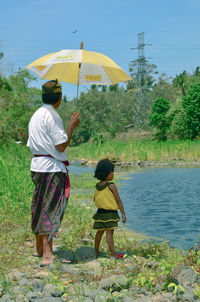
(150, 271)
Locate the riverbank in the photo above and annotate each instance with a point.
(141, 164)
(149, 271)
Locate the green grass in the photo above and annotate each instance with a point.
(135, 150)
(16, 189)
(17, 240)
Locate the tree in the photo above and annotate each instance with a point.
(158, 117)
(177, 118)
(181, 81)
(17, 104)
(100, 111)
(191, 107)
(164, 88)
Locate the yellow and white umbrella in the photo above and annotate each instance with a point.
(80, 67)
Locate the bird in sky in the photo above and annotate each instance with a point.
(75, 31)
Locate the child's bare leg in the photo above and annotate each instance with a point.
(109, 235)
(98, 237)
(39, 246)
(48, 255)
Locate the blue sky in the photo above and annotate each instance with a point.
(30, 29)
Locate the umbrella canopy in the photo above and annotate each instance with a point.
(79, 67)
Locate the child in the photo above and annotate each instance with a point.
(107, 200)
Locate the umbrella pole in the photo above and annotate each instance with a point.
(77, 90)
(79, 66)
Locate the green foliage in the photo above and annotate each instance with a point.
(106, 111)
(158, 117)
(177, 118)
(163, 88)
(7, 287)
(176, 288)
(100, 112)
(4, 85)
(191, 107)
(17, 104)
(182, 82)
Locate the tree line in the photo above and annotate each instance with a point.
(167, 107)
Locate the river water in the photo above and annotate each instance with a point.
(162, 203)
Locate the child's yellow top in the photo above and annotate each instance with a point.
(104, 198)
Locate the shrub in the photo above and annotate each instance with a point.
(158, 117)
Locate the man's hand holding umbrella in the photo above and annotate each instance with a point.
(74, 122)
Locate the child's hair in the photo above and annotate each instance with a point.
(103, 169)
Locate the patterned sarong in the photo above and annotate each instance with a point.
(48, 203)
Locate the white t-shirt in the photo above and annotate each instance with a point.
(46, 130)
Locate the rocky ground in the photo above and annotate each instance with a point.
(87, 278)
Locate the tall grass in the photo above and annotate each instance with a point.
(16, 188)
(135, 150)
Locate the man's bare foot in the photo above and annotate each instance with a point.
(47, 260)
(37, 255)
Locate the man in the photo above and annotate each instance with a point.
(47, 141)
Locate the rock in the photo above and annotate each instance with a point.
(57, 292)
(159, 287)
(38, 288)
(92, 293)
(49, 288)
(128, 299)
(6, 298)
(24, 282)
(187, 276)
(50, 299)
(188, 294)
(16, 275)
(114, 283)
(63, 254)
(42, 275)
(168, 296)
(151, 264)
(158, 298)
(93, 267)
(143, 299)
(138, 290)
(32, 297)
(76, 299)
(176, 270)
(103, 298)
(70, 269)
(84, 253)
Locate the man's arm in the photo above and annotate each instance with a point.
(74, 122)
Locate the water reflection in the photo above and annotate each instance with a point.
(161, 202)
(77, 168)
(164, 203)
